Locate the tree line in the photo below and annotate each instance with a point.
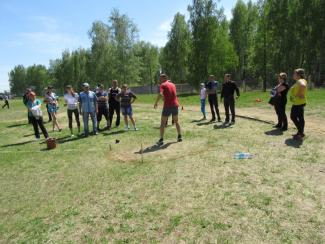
(262, 39)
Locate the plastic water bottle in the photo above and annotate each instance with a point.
(241, 155)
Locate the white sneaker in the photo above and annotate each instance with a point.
(126, 128)
(136, 129)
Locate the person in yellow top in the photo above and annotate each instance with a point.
(298, 97)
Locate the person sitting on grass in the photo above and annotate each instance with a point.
(171, 104)
(35, 114)
(126, 98)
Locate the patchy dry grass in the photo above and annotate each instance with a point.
(93, 190)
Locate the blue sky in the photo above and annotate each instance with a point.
(36, 31)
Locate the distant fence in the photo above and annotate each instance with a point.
(154, 89)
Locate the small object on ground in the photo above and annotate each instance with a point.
(51, 143)
(182, 108)
(241, 155)
(322, 170)
(258, 100)
(117, 141)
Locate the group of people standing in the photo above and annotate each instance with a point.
(278, 99)
(89, 104)
(210, 90)
(101, 103)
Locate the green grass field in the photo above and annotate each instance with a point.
(95, 191)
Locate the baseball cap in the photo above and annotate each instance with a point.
(85, 84)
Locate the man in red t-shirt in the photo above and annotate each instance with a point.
(168, 92)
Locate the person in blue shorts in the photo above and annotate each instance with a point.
(126, 97)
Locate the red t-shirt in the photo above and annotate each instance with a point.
(168, 89)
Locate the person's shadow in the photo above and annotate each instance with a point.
(293, 143)
(275, 132)
(222, 126)
(155, 148)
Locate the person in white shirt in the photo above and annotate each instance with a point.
(203, 96)
(71, 99)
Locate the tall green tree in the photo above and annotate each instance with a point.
(17, 79)
(175, 56)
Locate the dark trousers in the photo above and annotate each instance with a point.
(39, 123)
(280, 110)
(76, 115)
(6, 104)
(213, 101)
(48, 113)
(297, 117)
(229, 103)
(103, 112)
(116, 108)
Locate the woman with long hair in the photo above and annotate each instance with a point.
(71, 99)
(298, 97)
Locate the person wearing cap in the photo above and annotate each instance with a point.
(171, 104)
(102, 101)
(203, 96)
(34, 112)
(228, 90)
(71, 99)
(114, 105)
(211, 87)
(52, 100)
(88, 107)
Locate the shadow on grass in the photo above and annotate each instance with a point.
(16, 125)
(222, 126)
(155, 148)
(113, 133)
(197, 120)
(17, 144)
(293, 143)
(255, 119)
(27, 135)
(205, 123)
(275, 132)
(66, 139)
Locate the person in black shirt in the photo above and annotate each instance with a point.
(26, 98)
(228, 90)
(211, 88)
(102, 101)
(280, 101)
(114, 105)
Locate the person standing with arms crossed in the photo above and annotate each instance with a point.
(114, 105)
(211, 87)
(171, 104)
(102, 101)
(228, 90)
(298, 97)
(71, 99)
(88, 107)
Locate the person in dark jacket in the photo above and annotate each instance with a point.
(228, 90)
(25, 101)
(114, 105)
(211, 88)
(280, 101)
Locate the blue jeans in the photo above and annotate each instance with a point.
(203, 107)
(93, 117)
